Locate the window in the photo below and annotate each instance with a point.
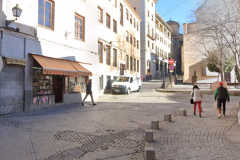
(114, 58)
(108, 20)
(137, 65)
(76, 84)
(130, 18)
(45, 13)
(137, 44)
(100, 52)
(79, 27)
(115, 3)
(127, 36)
(137, 26)
(127, 14)
(148, 13)
(131, 39)
(131, 64)
(152, 4)
(134, 42)
(134, 64)
(148, 44)
(108, 56)
(153, 33)
(121, 14)
(134, 25)
(127, 61)
(152, 46)
(152, 17)
(100, 14)
(114, 26)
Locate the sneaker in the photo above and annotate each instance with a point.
(94, 104)
(219, 116)
(194, 113)
(82, 104)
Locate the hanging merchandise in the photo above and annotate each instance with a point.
(43, 99)
(34, 100)
(46, 98)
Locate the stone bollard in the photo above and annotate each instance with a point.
(167, 117)
(183, 112)
(149, 135)
(149, 153)
(238, 104)
(155, 125)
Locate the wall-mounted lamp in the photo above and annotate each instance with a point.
(16, 13)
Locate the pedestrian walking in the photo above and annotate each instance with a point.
(222, 95)
(197, 99)
(89, 92)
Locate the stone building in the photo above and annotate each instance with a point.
(176, 45)
(118, 41)
(163, 47)
(48, 54)
(146, 10)
(195, 46)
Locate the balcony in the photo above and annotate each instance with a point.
(151, 37)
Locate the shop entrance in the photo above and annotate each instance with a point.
(58, 86)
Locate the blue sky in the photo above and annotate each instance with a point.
(181, 14)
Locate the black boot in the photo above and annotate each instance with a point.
(194, 113)
(200, 115)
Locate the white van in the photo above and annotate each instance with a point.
(126, 84)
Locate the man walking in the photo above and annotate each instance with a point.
(89, 92)
(222, 96)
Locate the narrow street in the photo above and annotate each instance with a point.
(114, 129)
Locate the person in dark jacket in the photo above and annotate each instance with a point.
(222, 96)
(89, 92)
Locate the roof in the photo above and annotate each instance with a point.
(172, 22)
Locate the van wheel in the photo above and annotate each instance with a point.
(128, 91)
(139, 88)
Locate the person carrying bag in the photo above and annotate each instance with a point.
(197, 99)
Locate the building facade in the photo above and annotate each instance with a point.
(146, 9)
(163, 46)
(176, 46)
(196, 44)
(48, 54)
(118, 41)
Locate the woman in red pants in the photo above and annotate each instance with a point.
(197, 98)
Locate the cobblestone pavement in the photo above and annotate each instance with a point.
(114, 129)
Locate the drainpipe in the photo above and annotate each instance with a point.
(24, 56)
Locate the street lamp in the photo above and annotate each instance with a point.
(16, 13)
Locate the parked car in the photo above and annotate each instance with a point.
(126, 84)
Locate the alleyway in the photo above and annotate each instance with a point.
(114, 129)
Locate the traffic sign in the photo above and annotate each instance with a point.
(171, 61)
(171, 67)
(171, 71)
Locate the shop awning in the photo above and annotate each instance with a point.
(60, 66)
(81, 70)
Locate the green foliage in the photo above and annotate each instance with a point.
(227, 66)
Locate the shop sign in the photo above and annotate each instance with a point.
(16, 61)
(57, 72)
(1, 64)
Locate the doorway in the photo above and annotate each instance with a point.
(58, 85)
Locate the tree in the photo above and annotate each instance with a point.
(217, 28)
(213, 65)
